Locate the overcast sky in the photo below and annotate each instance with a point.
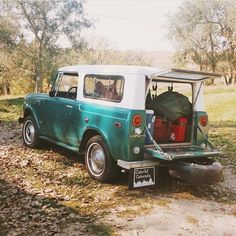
(132, 24)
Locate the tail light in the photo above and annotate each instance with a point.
(203, 121)
(137, 120)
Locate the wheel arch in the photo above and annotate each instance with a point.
(88, 134)
(29, 112)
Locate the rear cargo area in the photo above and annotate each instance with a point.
(169, 113)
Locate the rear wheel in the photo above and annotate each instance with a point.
(98, 160)
(30, 133)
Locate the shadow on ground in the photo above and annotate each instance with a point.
(23, 213)
(48, 190)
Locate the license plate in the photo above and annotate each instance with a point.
(142, 177)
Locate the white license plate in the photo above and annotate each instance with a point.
(144, 177)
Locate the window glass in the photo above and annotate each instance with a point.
(57, 82)
(104, 87)
(160, 87)
(68, 81)
(66, 85)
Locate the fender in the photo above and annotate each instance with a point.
(94, 128)
(28, 110)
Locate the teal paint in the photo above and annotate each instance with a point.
(64, 121)
(199, 138)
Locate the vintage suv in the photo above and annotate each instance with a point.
(127, 117)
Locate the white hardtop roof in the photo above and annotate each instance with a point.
(152, 72)
(111, 69)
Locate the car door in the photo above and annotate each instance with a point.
(59, 108)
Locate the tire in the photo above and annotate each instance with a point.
(98, 160)
(30, 133)
(205, 172)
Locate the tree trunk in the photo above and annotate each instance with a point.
(38, 83)
(231, 77)
(213, 67)
(39, 70)
(211, 81)
(226, 81)
(200, 67)
(212, 59)
(7, 89)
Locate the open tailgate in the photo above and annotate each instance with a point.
(180, 152)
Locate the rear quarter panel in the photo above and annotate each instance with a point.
(120, 140)
(198, 137)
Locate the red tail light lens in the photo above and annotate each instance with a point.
(203, 120)
(137, 120)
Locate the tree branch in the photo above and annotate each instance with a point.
(33, 27)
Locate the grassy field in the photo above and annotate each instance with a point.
(10, 108)
(220, 103)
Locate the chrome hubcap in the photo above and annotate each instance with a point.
(96, 159)
(29, 132)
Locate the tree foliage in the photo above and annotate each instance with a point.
(37, 37)
(205, 32)
(37, 29)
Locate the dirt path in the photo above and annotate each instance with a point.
(48, 192)
(183, 212)
(181, 217)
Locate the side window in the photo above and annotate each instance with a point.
(57, 82)
(104, 87)
(66, 85)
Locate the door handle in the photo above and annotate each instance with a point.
(117, 124)
(68, 106)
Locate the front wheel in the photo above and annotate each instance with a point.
(30, 133)
(98, 160)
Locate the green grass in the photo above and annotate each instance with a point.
(10, 108)
(221, 105)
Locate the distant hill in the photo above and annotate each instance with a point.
(165, 60)
(160, 59)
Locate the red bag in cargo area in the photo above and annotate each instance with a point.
(162, 129)
(179, 129)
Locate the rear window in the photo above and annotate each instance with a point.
(159, 87)
(104, 87)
